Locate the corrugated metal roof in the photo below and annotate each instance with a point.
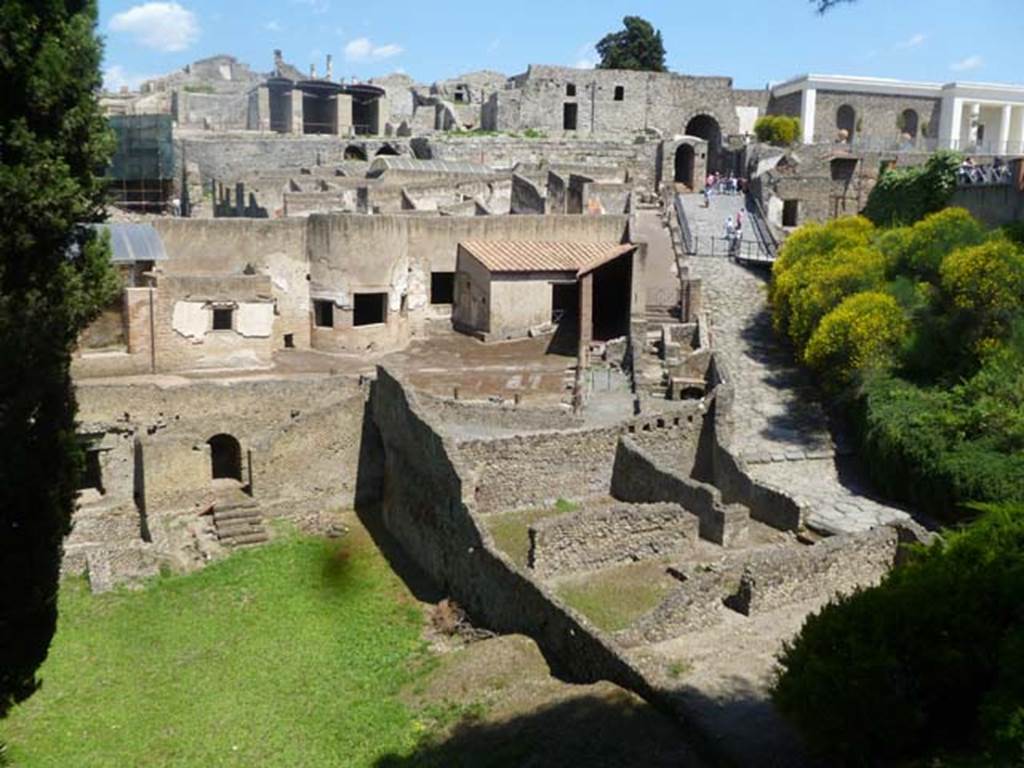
(132, 243)
(540, 256)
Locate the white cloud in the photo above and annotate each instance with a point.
(494, 45)
(272, 26)
(363, 49)
(966, 65)
(161, 26)
(914, 41)
(586, 57)
(116, 77)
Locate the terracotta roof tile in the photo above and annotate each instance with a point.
(540, 256)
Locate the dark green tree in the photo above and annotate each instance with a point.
(637, 46)
(54, 277)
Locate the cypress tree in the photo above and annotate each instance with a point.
(55, 275)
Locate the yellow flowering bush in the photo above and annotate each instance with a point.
(864, 331)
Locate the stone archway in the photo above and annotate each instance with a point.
(355, 152)
(846, 120)
(685, 162)
(706, 127)
(225, 457)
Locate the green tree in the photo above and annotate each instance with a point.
(781, 130)
(637, 46)
(54, 277)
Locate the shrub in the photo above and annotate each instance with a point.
(864, 331)
(905, 195)
(986, 284)
(780, 130)
(932, 659)
(933, 238)
(804, 252)
(937, 448)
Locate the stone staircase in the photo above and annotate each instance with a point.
(237, 519)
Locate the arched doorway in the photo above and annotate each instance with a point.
(354, 152)
(846, 120)
(685, 161)
(909, 122)
(707, 128)
(225, 457)
(387, 149)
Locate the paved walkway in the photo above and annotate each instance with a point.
(660, 276)
(781, 430)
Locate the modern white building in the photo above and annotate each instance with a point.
(886, 113)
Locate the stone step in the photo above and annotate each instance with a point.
(236, 513)
(238, 529)
(252, 538)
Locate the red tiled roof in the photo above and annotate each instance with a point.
(537, 256)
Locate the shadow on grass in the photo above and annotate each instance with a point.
(593, 731)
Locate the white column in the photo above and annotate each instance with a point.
(975, 113)
(1004, 130)
(808, 106)
(950, 121)
(1018, 135)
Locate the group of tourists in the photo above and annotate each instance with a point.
(719, 184)
(734, 231)
(971, 173)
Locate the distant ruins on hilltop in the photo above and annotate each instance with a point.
(453, 306)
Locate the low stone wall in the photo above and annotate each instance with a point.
(783, 576)
(638, 477)
(766, 580)
(505, 415)
(694, 605)
(727, 472)
(616, 535)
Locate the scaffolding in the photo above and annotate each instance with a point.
(141, 173)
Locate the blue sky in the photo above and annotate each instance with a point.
(753, 41)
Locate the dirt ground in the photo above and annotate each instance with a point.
(513, 713)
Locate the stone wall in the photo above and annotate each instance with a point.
(616, 101)
(785, 575)
(993, 204)
(639, 477)
(527, 196)
(637, 156)
(427, 507)
(607, 536)
(536, 469)
(875, 115)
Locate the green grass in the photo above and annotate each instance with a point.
(510, 530)
(614, 598)
(288, 655)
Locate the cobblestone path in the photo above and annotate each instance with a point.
(781, 431)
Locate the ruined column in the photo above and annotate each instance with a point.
(297, 113)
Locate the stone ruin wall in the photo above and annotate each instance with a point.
(304, 441)
(619, 534)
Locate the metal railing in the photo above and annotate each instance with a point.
(733, 248)
(762, 229)
(684, 226)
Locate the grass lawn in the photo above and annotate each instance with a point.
(292, 654)
(613, 598)
(511, 530)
